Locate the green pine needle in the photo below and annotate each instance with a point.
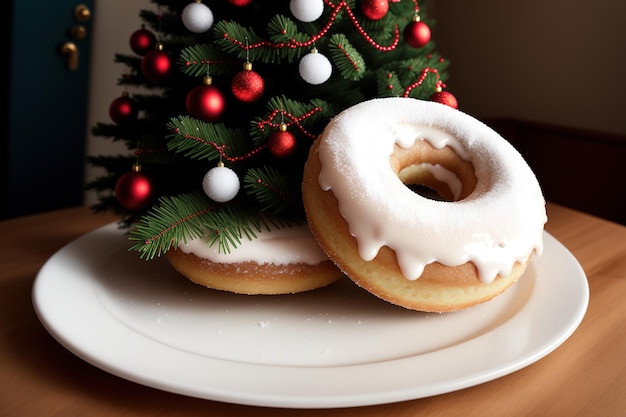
(244, 35)
(196, 139)
(347, 59)
(174, 219)
(275, 191)
(179, 219)
(194, 58)
(312, 124)
(388, 84)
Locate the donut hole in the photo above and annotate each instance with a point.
(420, 180)
(427, 192)
(437, 174)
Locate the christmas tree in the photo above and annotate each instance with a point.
(237, 91)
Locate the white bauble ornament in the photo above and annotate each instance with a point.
(315, 68)
(306, 10)
(197, 17)
(221, 184)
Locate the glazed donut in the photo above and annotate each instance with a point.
(278, 261)
(427, 254)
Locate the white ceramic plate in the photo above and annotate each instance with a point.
(334, 347)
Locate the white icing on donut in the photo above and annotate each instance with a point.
(284, 246)
(501, 222)
(446, 176)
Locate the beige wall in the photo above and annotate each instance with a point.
(554, 61)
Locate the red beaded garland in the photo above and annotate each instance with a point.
(295, 121)
(336, 9)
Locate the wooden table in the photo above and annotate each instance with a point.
(586, 376)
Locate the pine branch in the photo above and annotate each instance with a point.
(181, 218)
(198, 59)
(347, 59)
(116, 163)
(195, 139)
(131, 61)
(231, 37)
(174, 219)
(165, 21)
(394, 78)
(281, 29)
(277, 193)
(287, 110)
(388, 84)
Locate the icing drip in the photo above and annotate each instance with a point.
(277, 246)
(447, 177)
(499, 223)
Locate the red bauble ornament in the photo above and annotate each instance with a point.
(240, 3)
(142, 41)
(156, 65)
(123, 109)
(375, 9)
(206, 102)
(248, 86)
(134, 190)
(282, 143)
(417, 34)
(446, 98)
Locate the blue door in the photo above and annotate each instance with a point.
(44, 144)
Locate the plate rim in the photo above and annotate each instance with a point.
(229, 394)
